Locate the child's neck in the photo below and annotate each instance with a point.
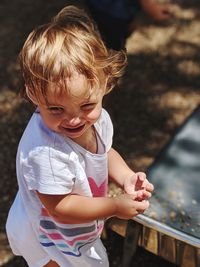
(88, 140)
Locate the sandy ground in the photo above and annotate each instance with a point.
(158, 91)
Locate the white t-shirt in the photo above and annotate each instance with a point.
(53, 164)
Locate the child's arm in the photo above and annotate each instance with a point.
(79, 209)
(155, 10)
(125, 177)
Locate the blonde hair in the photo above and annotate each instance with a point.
(69, 43)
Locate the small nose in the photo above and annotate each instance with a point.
(73, 119)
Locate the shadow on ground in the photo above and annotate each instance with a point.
(159, 89)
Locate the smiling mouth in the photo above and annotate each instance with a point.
(74, 130)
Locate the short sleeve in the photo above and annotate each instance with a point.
(48, 171)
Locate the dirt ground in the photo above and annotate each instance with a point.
(158, 91)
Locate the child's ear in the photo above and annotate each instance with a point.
(31, 96)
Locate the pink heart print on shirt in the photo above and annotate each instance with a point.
(98, 191)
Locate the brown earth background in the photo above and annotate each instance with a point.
(159, 90)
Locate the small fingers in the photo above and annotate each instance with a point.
(140, 179)
(149, 187)
(142, 195)
(141, 176)
(142, 206)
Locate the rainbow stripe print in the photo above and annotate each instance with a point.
(68, 238)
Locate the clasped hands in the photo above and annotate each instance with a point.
(140, 188)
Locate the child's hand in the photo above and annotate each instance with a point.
(127, 206)
(138, 181)
(159, 12)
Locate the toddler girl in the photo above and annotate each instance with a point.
(65, 154)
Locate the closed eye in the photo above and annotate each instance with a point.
(55, 110)
(88, 106)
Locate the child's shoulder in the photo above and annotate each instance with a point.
(104, 115)
(104, 123)
(36, 130)
(104, 119)
(37, 134)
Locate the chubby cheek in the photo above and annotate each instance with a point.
(93, 115)
(51, 122)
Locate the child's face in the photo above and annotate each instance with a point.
(72, 113)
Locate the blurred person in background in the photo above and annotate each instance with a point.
(114, 17)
